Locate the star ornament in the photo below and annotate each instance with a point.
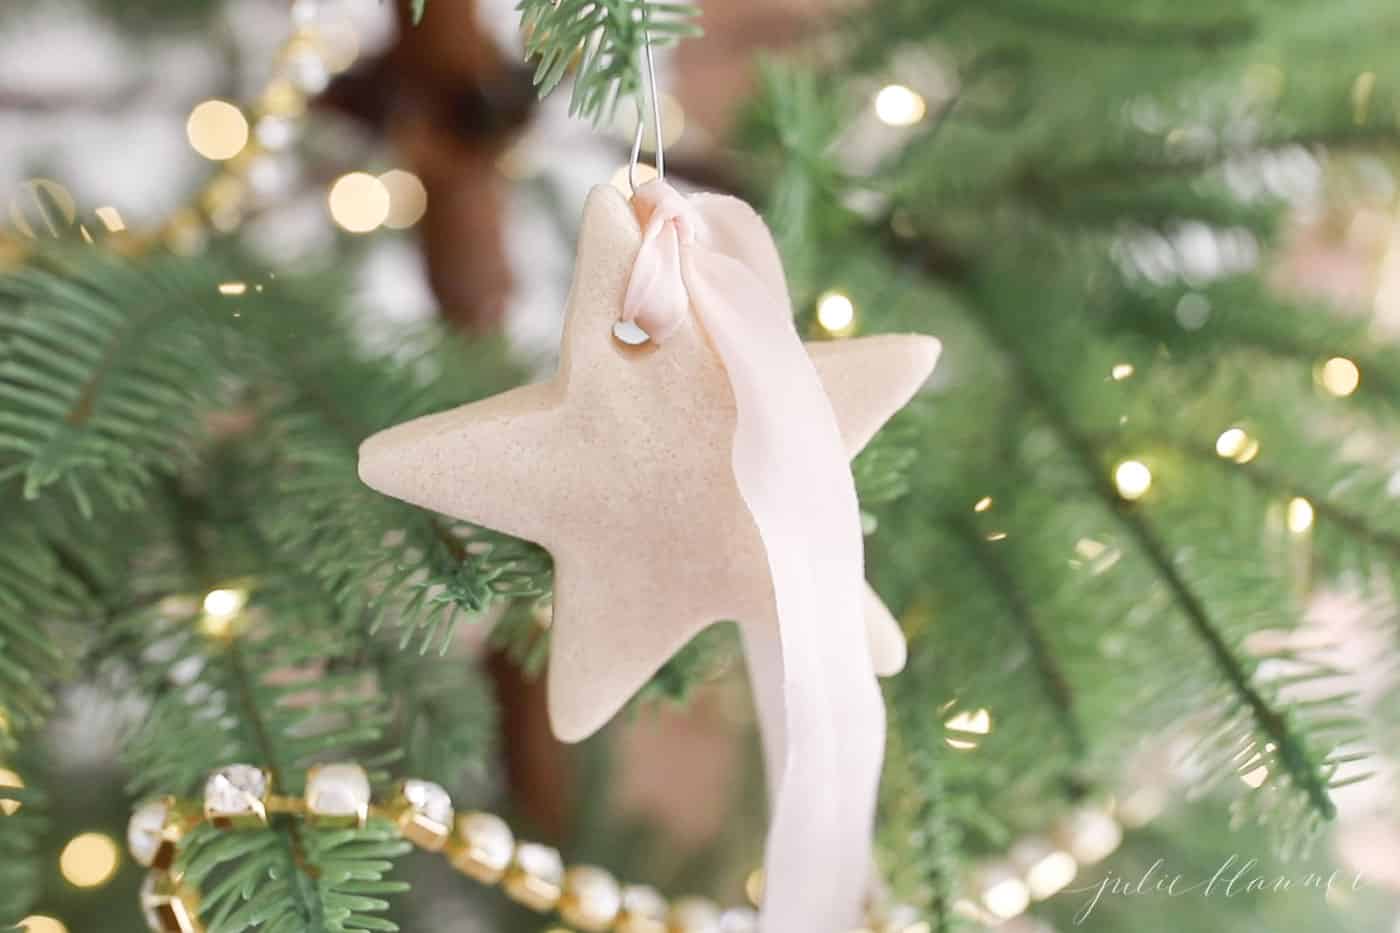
(620, 466)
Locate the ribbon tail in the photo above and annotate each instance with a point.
(828, 758)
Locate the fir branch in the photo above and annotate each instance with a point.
(249, 880)
(35, 591)
(1053, 681)
(1041, 16)
(1306, 773)
(914, 796)
(602, 41)
(105, 371)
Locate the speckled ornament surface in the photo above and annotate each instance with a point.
(620, 466)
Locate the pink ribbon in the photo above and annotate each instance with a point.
(819, 706)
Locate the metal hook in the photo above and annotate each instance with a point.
(641, 115)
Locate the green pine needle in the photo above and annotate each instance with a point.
(601, 42)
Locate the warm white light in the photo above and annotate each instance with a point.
(1142, 806)
(1251, 450)
(835, 312)
(975, 722)
(1231, 443)
(359, 202)
(996, 536)
(9, 779)
(1050, 874)
(1007, 898)
(1300, 515)
(897, 105)
(1339, 376)
(1257, 777)
(408, 199)
(217, 130)
(983, 504)
(1122, 371)
(89, 860)
(38, 923)
(1133, 479)
(1090, 835)
(233, 288)
(224, 603)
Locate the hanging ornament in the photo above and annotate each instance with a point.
(698, 477)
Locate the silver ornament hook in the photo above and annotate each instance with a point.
(654, 94)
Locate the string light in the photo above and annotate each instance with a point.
(1007, 897)
(1256, 778)
(89, 860)
(1133, 479)
(1300, 515)
(217, 130)
(40, 923)
(359, 202)
(975, 722)
(836, 313)
(1122, 371)
(224, 602)
(1339, 376)
(233, 288)
(221, 607)
(1048, 874)
(983, 504)
(408, 199)
(13, 781)
(897, 105)
(1231, 443)
(1090, 835)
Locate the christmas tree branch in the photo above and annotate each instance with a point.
(1052, 679)
(1305, 773)
(1038, 17)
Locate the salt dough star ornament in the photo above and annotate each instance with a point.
(620, 466)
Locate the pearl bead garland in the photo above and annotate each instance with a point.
(479, 845)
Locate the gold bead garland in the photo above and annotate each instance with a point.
(479, 845)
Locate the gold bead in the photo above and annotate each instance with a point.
(481, 847)
(643, 910)
(592, 899)
(694, 915)
(169, 907)
(423, 812)
(535, 877)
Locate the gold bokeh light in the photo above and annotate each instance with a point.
(836, 313)
(359, 202)
(217, 130)
(89, 860)
(1133, 479)
(897, 105)
(11, 780)
(408, 199)
(1339, 376)
(41, 923)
